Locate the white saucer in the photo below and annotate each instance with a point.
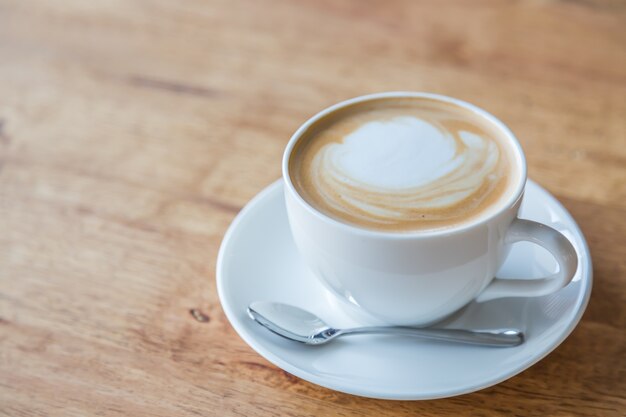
(258, 262)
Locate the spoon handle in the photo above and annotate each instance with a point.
(498, 338)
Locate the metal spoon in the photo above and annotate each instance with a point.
(294, 323)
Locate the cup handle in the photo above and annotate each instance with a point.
(557, 244)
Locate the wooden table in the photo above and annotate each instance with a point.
(131, 133)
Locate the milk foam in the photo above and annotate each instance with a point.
(403, 167)
(401, 153)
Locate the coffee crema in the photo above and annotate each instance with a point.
(403, 164)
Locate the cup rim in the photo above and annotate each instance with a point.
(446, 231)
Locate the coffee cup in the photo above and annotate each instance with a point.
(406, 204)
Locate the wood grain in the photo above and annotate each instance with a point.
(131, 133)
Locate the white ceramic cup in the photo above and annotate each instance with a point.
(421, 277)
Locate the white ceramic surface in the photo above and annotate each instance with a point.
(258, 261)
(417, 278)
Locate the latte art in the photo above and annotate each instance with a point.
(404, 166)
(401, 169)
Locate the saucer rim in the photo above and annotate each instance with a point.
(230, 312)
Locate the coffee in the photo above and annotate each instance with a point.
(404, 164)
